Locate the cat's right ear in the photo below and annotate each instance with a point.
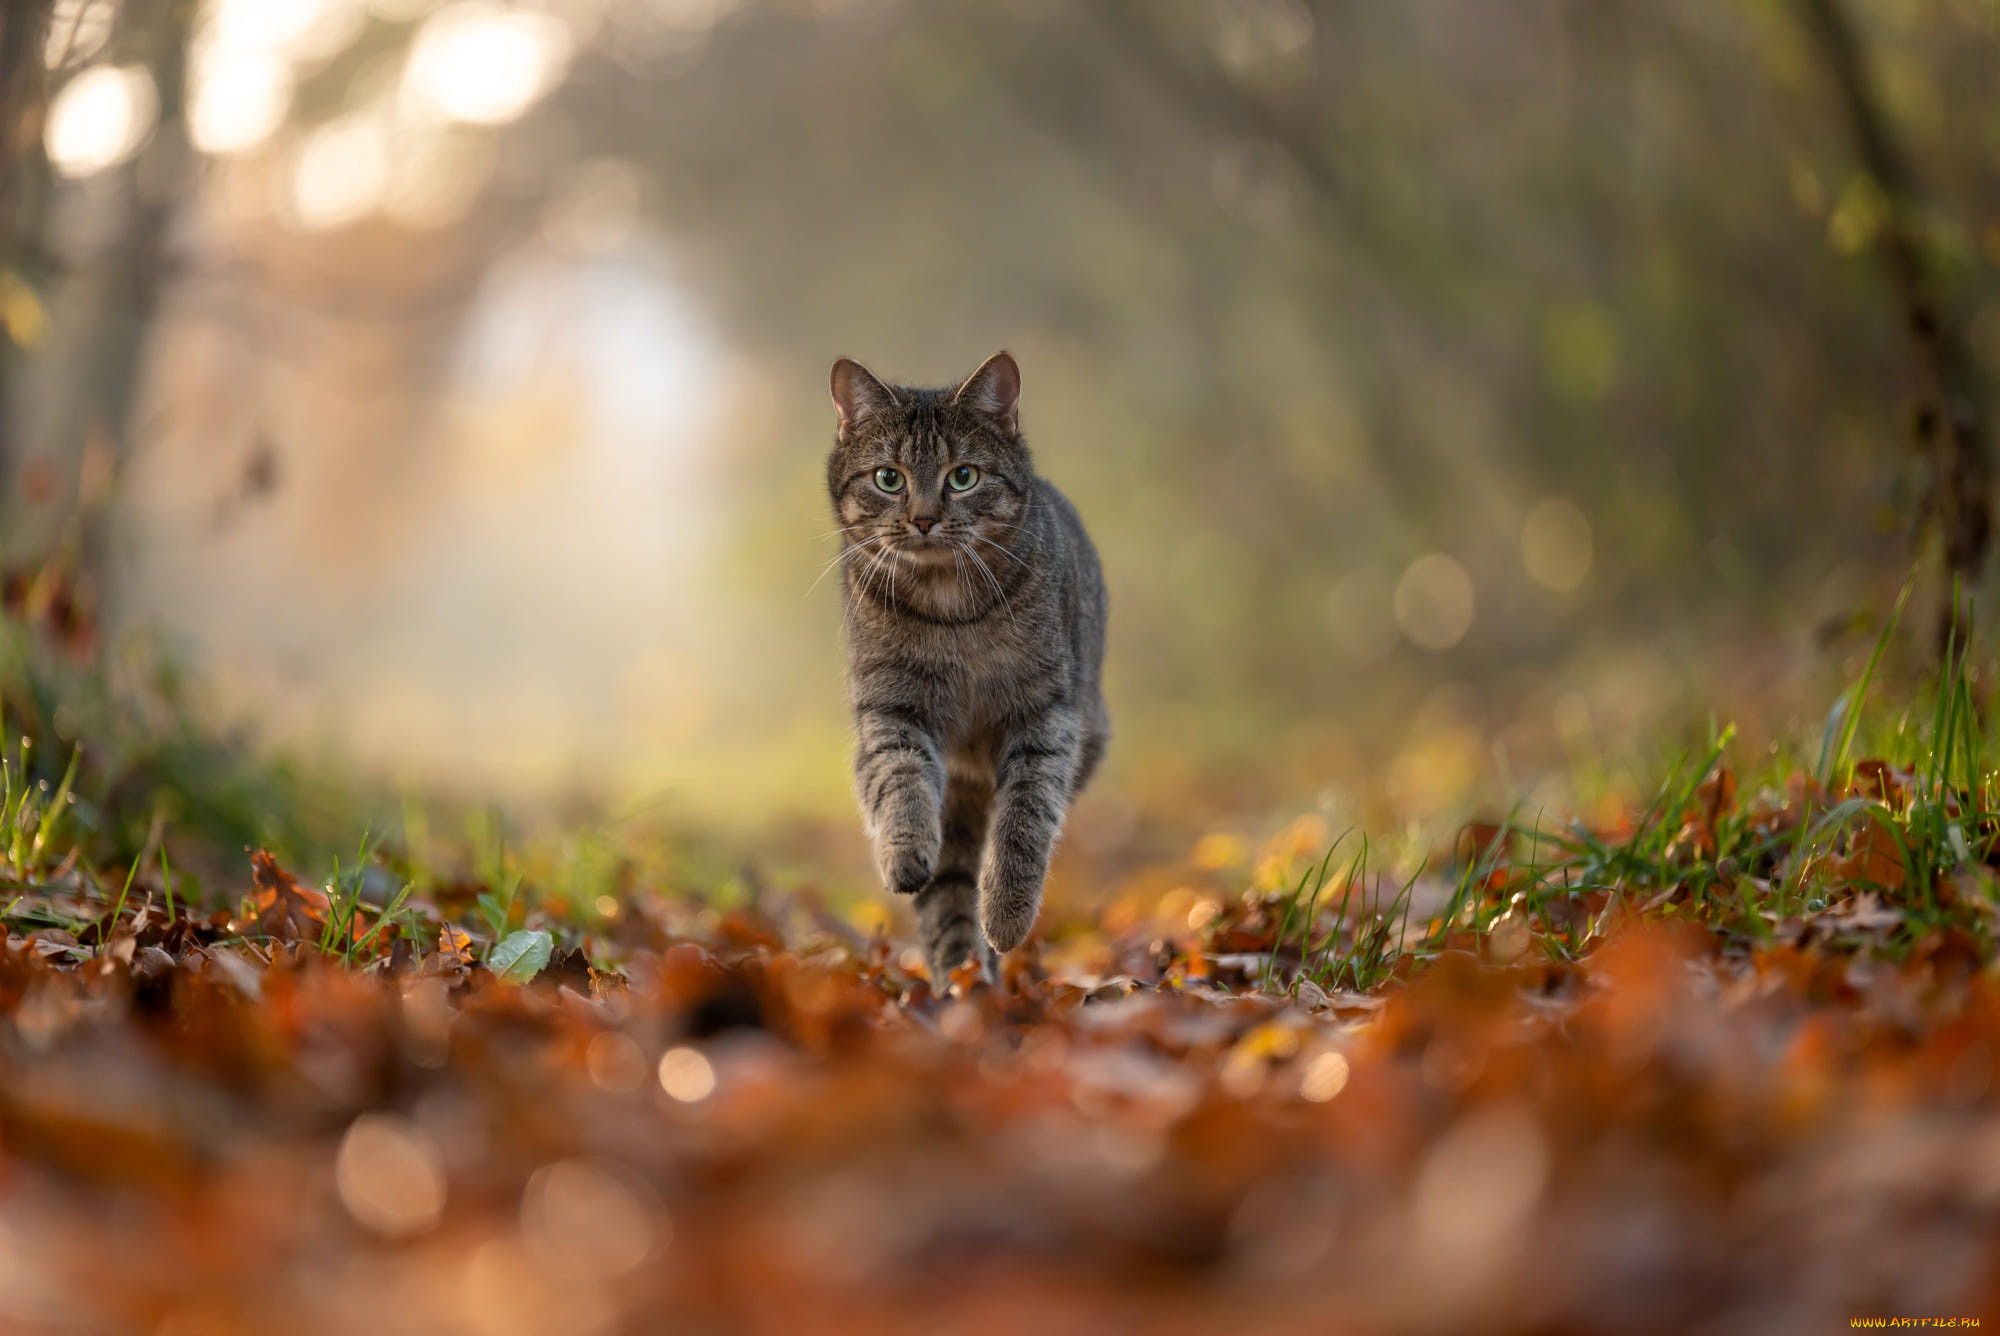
(857, 393)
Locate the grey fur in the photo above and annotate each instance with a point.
(975, 653)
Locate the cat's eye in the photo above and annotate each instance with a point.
(889, 480)
(963, 478)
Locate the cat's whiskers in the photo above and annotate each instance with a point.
(987, 571)
(958, 574)
(840, 557)
(1000, 549)
(883, 556)
(1035, 544)
(865, 580)
(835, 533)
(866, 584)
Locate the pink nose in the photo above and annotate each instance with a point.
(923, 522)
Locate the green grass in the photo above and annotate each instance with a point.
(342, 936)
(1784, 851)
(135, 750)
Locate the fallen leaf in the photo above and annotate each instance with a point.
(1884, 783)
(454, 945)
(520, 956)
(285, 910)
(1873, 857)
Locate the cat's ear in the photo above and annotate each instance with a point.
(857, 393)
(995, 390)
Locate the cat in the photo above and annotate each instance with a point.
(975, 619)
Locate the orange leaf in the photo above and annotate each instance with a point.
(286, 910)
(1882, 782)
(1873, 858)
(455, 945)
(963, 979)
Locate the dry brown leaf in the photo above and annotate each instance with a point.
(284, 910)
(1873, 857)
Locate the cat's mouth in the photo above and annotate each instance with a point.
(931, 548)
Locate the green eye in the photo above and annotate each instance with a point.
(963, 478)
(889, 480)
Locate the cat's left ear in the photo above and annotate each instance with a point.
(995, 390)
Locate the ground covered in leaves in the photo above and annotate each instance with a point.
(1550, 1104)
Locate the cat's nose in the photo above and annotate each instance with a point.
(923, 522)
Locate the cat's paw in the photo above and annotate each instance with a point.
(1007, 913)
(906, 868)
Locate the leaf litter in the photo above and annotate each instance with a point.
(1725, 1063)
(734, 1123)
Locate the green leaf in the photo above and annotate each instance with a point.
(520, 956)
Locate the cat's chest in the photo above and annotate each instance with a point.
(983, 681)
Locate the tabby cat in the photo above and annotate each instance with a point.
(975, 613)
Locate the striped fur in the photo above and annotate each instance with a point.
(975, 628)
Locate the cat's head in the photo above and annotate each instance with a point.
(929, 475)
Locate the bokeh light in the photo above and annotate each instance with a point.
(616, 1062)
(686, 1075)
(238, 101)
(590, 1219)
(303, 30)
(1251, 33)
(341, 173)
(1324, 1077)
(1556, 545)
(99, 119)
(1434, 601)
(483, 64)
(390, 1175)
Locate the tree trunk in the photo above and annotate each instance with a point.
(1949, 424)
(24, 187)
(100, 298)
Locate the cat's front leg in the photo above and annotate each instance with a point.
(899, 775)
(1032, 775)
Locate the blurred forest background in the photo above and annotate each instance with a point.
(1461, 394)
